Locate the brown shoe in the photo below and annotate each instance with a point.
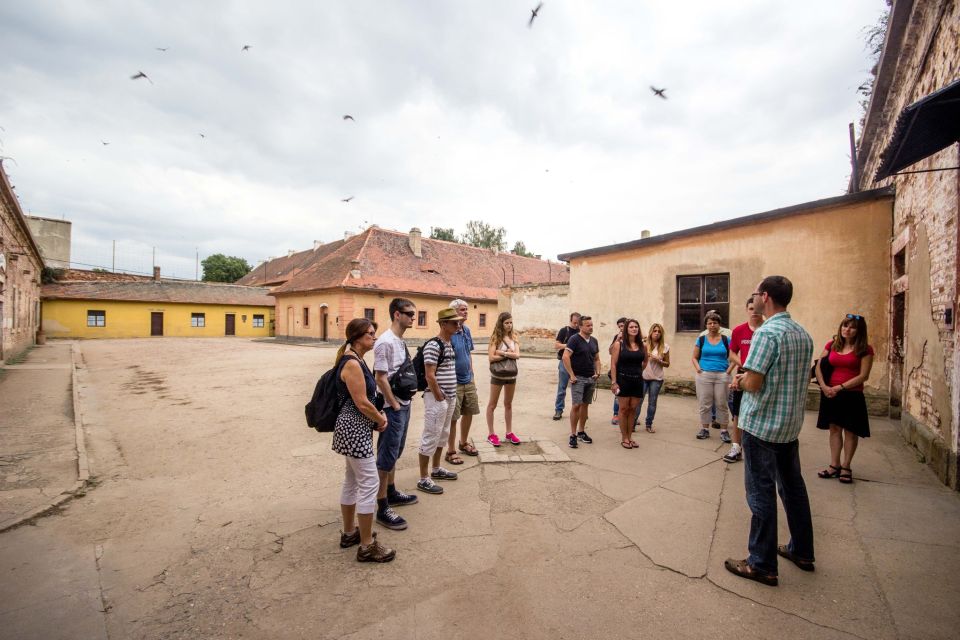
(805, 565)
(350, 539)
(375, 552)
(743, 569)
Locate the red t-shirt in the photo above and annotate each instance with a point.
(846, 366)
(740, 341)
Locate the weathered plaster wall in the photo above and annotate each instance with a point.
(538, 311)
(20, 267)
(53, 237)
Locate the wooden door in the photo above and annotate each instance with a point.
(231, 323)
(156, 323)
(323, 324)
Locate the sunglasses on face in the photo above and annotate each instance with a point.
(853, 316)
(409, 314)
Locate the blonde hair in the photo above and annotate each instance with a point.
(661, 343)
(499, 332)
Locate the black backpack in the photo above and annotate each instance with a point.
(324, 406)
(404, 383)
(420, 367)
(726, 343)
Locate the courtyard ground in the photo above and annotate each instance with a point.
(212, 512)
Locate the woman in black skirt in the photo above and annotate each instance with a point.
(842, 369)
(627, 360)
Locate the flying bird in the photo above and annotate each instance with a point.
(658, 92)
(347, 199)
(533, 15)
(202, 136)
(104, 143)
(141, 74)
(245, 47)
(348, 117)
(161, 48)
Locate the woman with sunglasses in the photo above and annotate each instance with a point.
(843, 408)
(353, 431)
(628, 360)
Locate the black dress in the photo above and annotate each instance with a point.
(847, 409)
(630, 372)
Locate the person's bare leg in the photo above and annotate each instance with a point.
(574, 418)
(492, 405)
(366, 528)
(452, 438)
(628, 408)
(850, 442)
(349, 513)
(437, 455)
(508, 406)
(836, 444)
(466, 421)
(386, 478)
(582, 417)
(735, 432)
(424, 466)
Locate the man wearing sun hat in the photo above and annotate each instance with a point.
(439, 401)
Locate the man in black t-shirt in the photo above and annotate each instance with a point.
(563, 379)
(581, 359)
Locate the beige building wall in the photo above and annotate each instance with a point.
(341, 306)
(836, 258)
(538, 310)
(53, 238)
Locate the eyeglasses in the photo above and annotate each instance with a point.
(853, 316)
(409, 314)
(372, 334)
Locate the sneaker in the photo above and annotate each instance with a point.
(375, 552)
(389, 518)
(703, 434)
(442, 474)
(493, 439)
(573, 442)
(584, 437)
(511, 438)
(558, 415)
(400, 499)
(615, 420)
(725, 437)
(350, 539)
(429, 486)
(734, 455)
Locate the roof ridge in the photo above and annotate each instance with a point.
(368, 232)
(462, 244)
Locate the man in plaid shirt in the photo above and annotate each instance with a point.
(771, 414)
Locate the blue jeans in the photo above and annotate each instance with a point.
(562, 382)
(651, 388)
(770, 468)
(616, 406)
(390, 441)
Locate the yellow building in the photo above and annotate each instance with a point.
(144, 308)
(320, 290)
(835, 251)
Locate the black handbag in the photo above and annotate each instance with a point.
(506, 368)
(826, 370)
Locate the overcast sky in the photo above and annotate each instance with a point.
(461, 112)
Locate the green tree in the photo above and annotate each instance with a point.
(442, 233)
(481, 234)
(221, 268)
(520, 249)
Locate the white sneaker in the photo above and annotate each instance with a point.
(734, 455)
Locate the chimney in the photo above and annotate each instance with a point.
(290, 252)
(156, 274)
(317, 244)
(346, 235)
(355, 269)
(415, 243)
(645, 234)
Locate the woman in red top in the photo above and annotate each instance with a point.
(843, 409)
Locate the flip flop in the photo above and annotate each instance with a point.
(634, 444)
(626, 444)
(453, 458)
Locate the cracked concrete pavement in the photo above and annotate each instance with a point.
(214, 514)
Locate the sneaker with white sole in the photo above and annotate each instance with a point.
(703, 434)
(584, 437)
(734, 455)
(389, 518)
(400, 499)
(429, 486)
(511, 438)
(573, 442)
(725, 437)
(442, 474)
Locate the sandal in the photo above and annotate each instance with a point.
(453, 458)
(467, 448)
(805, 565)
(634, 444)
(743, 569)
(845, 478)
(826, 473)
(626, 444)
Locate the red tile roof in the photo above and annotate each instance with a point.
(85, 275)
(278, 270)
(386, 262)
(162, 291)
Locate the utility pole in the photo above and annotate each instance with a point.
(197, 276)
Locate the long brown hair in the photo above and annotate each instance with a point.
(661, 343)
(356, 329)
(860, 343)
(499, 332)
(625, 338)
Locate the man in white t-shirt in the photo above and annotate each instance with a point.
(389, 356)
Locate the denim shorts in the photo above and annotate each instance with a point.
(391, 440)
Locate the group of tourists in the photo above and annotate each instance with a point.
(380, 401)
(751, 384)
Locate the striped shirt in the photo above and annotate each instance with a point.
(447, 371)
(781, 350)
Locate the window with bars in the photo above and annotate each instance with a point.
(370, 314)
(421, 318)
(96, 318)
(198, 319)
(483, 320)
(258, 320)
(696, 295)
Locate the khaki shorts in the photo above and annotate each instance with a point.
(468, 402)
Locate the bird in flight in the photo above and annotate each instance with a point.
(347, 199)
(141, 74)
(161, 48)
(658, 92)
(348, 117)
(533, 15)
(104, 143)
(202, 136)
(245, 47)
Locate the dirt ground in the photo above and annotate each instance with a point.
(215, 515)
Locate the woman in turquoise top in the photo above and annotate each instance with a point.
(713, 361)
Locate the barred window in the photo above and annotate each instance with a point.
(698, 294)
(96, 318)
(258, 320)
(198, 319)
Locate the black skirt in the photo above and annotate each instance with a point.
(848, 409)
(631, 386)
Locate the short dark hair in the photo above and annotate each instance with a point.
(622, 320)
(574, 314)
(399, 304)
(585, 318)
(749, 301)
(779, 288)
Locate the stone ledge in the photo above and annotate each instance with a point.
(548, 452)
(933, 449)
